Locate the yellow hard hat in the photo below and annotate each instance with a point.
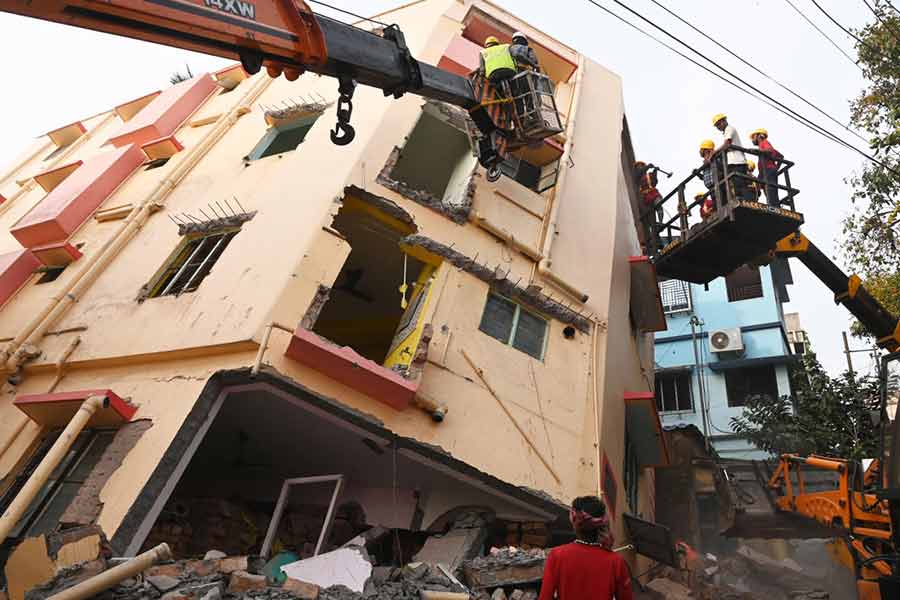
(718, 117)
(699, 195)
(490, 41)
(707, 145)
(751, 166)
(759, 131)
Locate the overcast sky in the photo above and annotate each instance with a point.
(57, 75)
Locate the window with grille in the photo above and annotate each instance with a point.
(191, 262)
(744, 283)
(513, 325)
(673, 392)
(740, 384)
(284, 137)
(676, 296)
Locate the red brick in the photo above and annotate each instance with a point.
(232, 564)
(301, 589)
(242, 581)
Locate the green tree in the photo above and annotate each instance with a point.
(871, 233)
(832, 416)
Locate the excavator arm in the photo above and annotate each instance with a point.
(848, 291)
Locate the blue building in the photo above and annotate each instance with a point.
(725, 341)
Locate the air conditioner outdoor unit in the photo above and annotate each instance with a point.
(726, 340)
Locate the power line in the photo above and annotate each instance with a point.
(758, 70)
(781, 107)
(844, 29)
(884, 23)
(825, 35)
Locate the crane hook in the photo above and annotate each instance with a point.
(343, 133)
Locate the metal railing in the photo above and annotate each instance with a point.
(731, 184)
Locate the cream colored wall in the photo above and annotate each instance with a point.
(161, 352)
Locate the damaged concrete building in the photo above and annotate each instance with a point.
(274, 344)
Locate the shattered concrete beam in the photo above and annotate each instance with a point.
(530, 296)
(386, 206)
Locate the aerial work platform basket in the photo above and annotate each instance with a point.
(738, 228)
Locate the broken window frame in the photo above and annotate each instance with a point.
(678, 294)
(60, 476)
(181, 266)
(514, 326)
(261, 150)
(282, 501)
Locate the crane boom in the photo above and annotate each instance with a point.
(849, 291)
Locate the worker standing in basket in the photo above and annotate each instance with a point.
(523, 54)
(768, 164)
(497, 63)
(587, 569)
(736, 162)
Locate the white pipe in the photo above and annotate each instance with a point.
(264, 344)
(550, 231)
(51, 460)
(105, 580)
(94, 265)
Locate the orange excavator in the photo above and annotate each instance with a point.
(288, 38)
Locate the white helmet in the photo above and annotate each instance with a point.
(519, 35)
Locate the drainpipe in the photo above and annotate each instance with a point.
(105, 580)
(60, 365)
(503, 234)
(550, 231)
(264, 344)
(70, 149)
(96, 263)
(54, 456)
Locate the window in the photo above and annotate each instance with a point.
(61, 487)
(533, 177)
(632, 472)
(191, 262)
(676, 296)
(673, 392)
(513, 325)
(742, 383)
(799, 348)
(436, 159)
(156, 163)
(744, 284)
(50, 274)
(283, 137)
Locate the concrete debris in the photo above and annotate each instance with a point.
(462, 542)
(163, 583)
(530, 296)
(214, 555)
(506, 568)
(242, 582)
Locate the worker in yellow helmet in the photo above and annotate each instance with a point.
(735, 160)
(769, 161)
(707, 148)
(497, 64)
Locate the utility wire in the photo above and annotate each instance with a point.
(781, 107)
(884, 23)
(825, 35)
(758, 70)
(347, 12)
(844, 29)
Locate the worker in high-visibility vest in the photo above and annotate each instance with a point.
(497, 64)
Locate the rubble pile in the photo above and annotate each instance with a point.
(217, 576)
(193, 525)
(506, 574)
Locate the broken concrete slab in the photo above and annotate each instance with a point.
(508, 567)
(349, 567)
(163, 583)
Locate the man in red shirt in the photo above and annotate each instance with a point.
(768, 164)
(587, 569)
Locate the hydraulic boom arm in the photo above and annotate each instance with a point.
(849, 291)
(285, 36)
